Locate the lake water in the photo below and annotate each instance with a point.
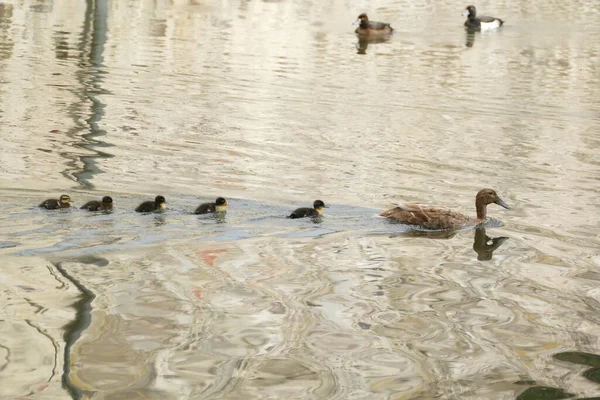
(273, 104)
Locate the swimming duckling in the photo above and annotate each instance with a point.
(366, 27)
(220, 205)
(480, 23)
(52, 204)
(159, 203)
(317, 210)
(440, 218)
(105, 205)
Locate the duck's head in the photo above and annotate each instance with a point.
(319, 206)
(160, 202)
(488, 196)
(221, 204)
(362, 19)
(470, 12)
(65, 200)
(107, 201)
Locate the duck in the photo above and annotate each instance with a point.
(480, 23)
(371, 28)
(53, 204)
(316, 211)
(440, 218)
(159, 203)
(106, 204)
(219, 206)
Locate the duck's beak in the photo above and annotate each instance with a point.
(466, 13)
(357, 22)
(163, 205)
(501, 203)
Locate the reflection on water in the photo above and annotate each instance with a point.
(542, 392)
(484, 245)
(470, 38)
(574, 357)
(363, 42)
(74, 329)
(264, 103)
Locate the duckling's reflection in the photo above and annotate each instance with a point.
(363, 43)
(470, 39)
(159, 219)
(484, 245)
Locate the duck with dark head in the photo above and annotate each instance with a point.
(481, 23)
(441, 218)
(314, 212)
(158, 204)
(105, 205)
(371, 28)
(53, 204)
(219, 206)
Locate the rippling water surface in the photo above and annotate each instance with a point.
(273, 104)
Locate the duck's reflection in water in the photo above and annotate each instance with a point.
(470, 38)
(159, 219)
(363, 42)
(484, 245)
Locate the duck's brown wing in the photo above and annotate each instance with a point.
(428, 217)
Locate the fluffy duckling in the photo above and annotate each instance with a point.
(159, 203)
(317, 210)
(371, 28)
(52, 204)
(105, 205)
(480, 23)
(220, 205)
(440, 218)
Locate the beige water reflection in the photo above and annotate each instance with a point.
(274, 104)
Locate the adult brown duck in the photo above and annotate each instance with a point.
(441, 218)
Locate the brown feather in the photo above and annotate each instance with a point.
(429, 217)
(441, 218)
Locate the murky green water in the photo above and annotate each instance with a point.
(273, 104)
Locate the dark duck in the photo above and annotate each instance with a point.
(106, 204)
(481, 23)
(316, 211)
(53, 204)
(158, 204)
(441, 218)
(371, 28)
(219, 206)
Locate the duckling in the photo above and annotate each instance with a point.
(480, 23)
(52, 204)
(220, 205)
(317, 210)
(105, 205)
(159, 203)
(371, 28)
(440, 218)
